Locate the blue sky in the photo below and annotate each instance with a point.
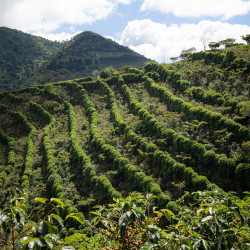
(158, 29)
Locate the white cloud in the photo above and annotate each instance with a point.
(199, 8)
(46, 16)
(124, 1)
(160, 42)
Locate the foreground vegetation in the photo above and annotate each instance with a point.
(201, 220)
(152, 148)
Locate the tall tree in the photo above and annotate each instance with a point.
(246, 38)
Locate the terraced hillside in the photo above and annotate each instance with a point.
(91, 140)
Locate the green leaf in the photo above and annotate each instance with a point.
(157, 212)
(123, 220)
(53, 237)
(58, 201)
(205, 244)
(41, 200)
(48, 243)
(168, 213)
(199, 211)
(19, 227)
(95, 221)
(57, 218)
(73, 215)
(180, 224)
(211, 210)
(138, 211)
(44, 228)
(26, 241)
(95, 213)
(246, 192)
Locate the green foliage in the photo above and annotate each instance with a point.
(243, 174)
(203, 220)
(185, 53)
(11, 156)
(100, 184)
(21, 56)
(21, 229)
(246, 38)
(85, 53)
(244, 108)
(21, 119)
(95, 141)
(197, 150)
(28, 58)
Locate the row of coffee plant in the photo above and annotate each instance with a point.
(98, 183)
(214, 119)
(228, 60)
(28, 163)
(38, 109)
(13, 98)
(134, 175)
(174, 78)
(10, 142)
(171, 169)
(53, 180)
(224, 165)
(56, 189)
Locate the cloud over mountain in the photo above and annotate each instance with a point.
(160, 42)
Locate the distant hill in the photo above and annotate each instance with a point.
(27, 60)
(21, 55)
(85, 53)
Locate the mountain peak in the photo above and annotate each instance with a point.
(26, 58)
(84, 54)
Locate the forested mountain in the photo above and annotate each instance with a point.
(84, 54)
(159, 129)
(21, 55)
(27, 60)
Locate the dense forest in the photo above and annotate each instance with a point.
(155, 157)
(21, 56)
(84, 55)
(28, 60)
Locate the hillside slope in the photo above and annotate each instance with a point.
(226, 71)
(157, 129)
(85, 53)
(133, 130)
(21, 55)
(27, 60)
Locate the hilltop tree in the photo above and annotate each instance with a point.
(186, 52)
(246, 38)
(174, 59)
(214, 45)
(229, 42)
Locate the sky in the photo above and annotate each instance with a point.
(157, 29)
